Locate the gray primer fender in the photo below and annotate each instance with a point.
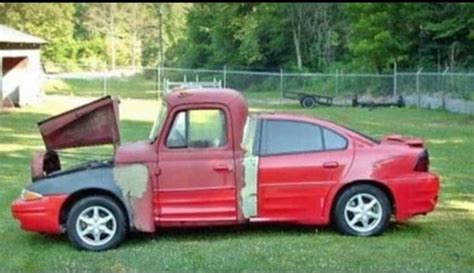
(101, 178)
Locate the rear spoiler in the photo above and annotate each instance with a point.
(411, 142)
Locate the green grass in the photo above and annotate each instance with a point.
(440, 242)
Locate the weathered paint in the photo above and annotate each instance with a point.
(135, 183)
(95, 123)
(248, 193)
(131, 179)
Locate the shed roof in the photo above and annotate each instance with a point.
(10, 35)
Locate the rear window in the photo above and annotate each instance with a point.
(333, 140)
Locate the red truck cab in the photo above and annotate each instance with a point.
(208, 162)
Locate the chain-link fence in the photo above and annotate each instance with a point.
(150, 83)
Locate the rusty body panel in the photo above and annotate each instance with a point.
(95, 123)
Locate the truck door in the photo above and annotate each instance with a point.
(196, 176)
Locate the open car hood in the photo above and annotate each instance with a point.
(95, 123)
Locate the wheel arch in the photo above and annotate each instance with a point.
(381, 186)
(73, 198)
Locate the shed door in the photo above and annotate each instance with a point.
(14, 78)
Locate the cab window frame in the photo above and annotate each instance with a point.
(186, 111)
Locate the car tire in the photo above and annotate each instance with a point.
(96, 223)
(308, 102)
(362, 210)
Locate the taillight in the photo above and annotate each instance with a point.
(423, 162)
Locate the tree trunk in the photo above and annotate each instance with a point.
(160, 36)
(296, 40)
(112, 33)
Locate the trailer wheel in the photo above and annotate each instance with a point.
(308, 102)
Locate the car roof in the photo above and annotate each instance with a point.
(224, 96)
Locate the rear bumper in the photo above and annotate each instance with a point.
(415, 195)
(40, 215)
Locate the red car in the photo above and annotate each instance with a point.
(208, 162)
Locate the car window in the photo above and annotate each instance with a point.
(202, 128)
(159, 121)
(177, 136)
(281, 137)
(333, 141)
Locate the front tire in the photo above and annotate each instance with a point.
(362, 210)
(96, 223)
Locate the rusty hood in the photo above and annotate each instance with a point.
(95, 123)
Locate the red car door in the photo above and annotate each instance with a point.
(196, 179)
(299, 163)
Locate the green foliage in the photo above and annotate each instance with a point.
(52, 22)
(316, 37)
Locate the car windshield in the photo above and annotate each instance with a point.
(155, 130)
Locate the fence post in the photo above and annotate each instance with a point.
(158, 81)
(105, 84)
(337, 82)
(443, 77)
(418, 85)
(395, 79)
(225, 76)
(281, 82)
(342, 80)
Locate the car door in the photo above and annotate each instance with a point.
(196, 179)
(299, 163)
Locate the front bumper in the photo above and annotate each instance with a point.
(39, 215)
(415, 195)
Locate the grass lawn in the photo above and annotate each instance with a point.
(441, 241)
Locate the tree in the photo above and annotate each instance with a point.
(108, 19)
(52, 21)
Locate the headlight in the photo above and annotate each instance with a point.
(27, 195)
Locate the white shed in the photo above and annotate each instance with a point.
(21, 70)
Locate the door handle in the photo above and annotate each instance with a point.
(222, 167)
(331, 164)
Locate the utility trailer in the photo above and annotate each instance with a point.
(308, 100)
(372, 104)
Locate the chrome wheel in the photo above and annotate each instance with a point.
(363, 212)
(96, 225)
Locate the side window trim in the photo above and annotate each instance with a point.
(261, 131)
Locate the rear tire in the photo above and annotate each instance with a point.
(362, 210)
(96, 223)
(308, 102)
